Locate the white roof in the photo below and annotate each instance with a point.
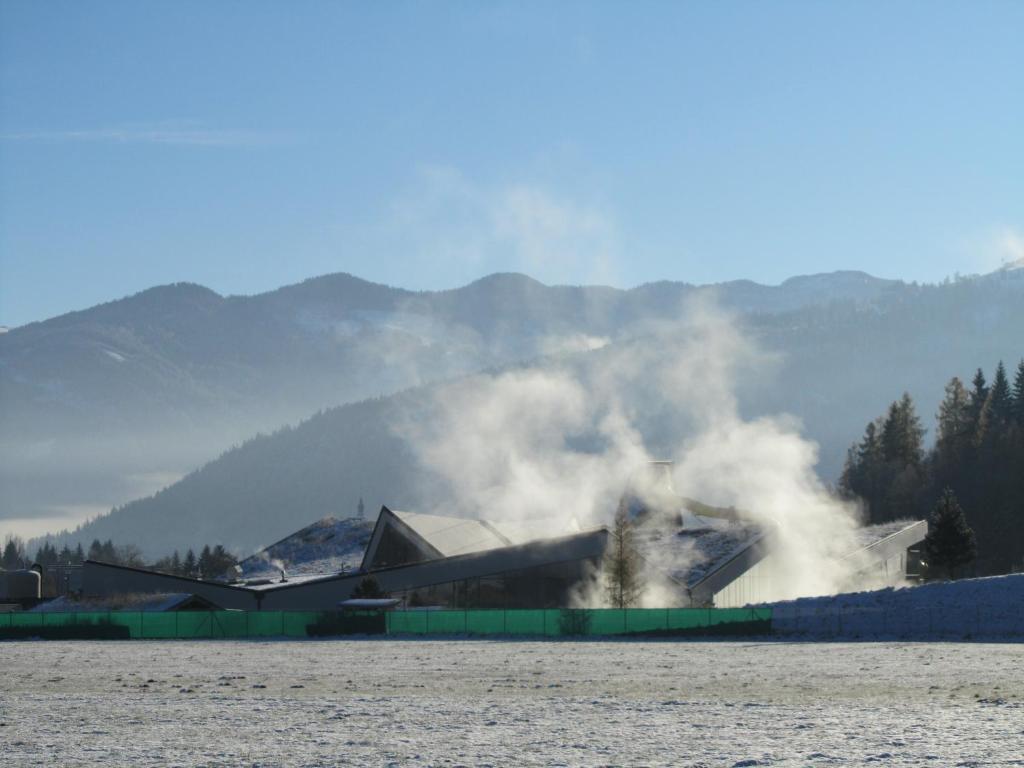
(454, 535)
(460, 535)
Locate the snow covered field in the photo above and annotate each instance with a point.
(503, 703)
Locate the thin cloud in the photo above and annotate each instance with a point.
(447, 218)
(1010, 247)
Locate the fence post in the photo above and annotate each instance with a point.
(142, 625)
(465, 622)
(543, 622)
(504, 621)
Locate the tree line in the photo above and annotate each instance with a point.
(15, 556)
(212, 562)
(977, 456)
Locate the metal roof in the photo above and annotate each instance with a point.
(454, 535)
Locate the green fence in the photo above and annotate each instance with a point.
(247, 624)
(597, 622)
(185, 624)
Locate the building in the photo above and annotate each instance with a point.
(420, 559)
(700, 555)
(691, 555)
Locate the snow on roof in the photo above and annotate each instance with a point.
(534, 529)
(691, 553)
(454, 535)
(460, 535)
(870, 535)
(706, 544)
(154, 603)
(274, 582)
(328, 546)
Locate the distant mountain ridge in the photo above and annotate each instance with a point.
(183, 351)
(176, 374)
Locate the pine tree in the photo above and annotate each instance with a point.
(189, 564)
(622, 562)
(979, 396)
(850, 478)
(368, 589)
(206, 563)
(954, 420)
(79, 556)
(46, 555)
(902, 434)
(96, 550)
(221, 561)
(14, 554)
(950, 541)
(175, 564)
(1000, 401)
(864, 469)
(890, 438)
(1018, 394)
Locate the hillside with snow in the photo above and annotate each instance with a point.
(325, 547)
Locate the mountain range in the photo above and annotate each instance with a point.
(111, 403)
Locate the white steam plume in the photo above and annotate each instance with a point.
(560, 443)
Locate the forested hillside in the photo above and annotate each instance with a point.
(834, 366)
(104, 405)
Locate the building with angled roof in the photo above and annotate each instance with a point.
(700, 556)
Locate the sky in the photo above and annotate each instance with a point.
(248, 145)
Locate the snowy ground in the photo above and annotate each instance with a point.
(970, 609)
(503, 703)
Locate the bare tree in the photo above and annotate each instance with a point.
(623, 582)
(131, 555)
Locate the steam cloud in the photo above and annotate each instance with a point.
(560, 442)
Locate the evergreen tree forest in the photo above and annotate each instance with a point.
(977, 454)
(212, 563)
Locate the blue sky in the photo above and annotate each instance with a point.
(246, 145)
